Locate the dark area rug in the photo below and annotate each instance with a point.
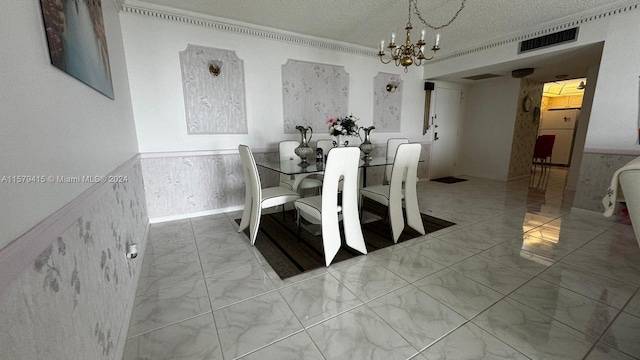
(449, 180)
(290, 254)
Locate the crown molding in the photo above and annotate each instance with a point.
(551, 29)
(196, 19)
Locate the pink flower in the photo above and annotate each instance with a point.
(331, 121)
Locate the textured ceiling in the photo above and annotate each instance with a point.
(366, 22)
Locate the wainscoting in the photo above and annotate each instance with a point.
(595, 177)
(67, 289)
(187, 184)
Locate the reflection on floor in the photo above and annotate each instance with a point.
(518, 277)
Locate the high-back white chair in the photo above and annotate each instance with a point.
(286, 150)
(392, 146)
(401, 187)
(341, 163)
(256, 198)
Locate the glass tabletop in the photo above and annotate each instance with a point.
(294, 167)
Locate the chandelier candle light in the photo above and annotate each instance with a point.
(408, 53)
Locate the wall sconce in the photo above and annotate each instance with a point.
(392, 86)
(581, 86)
(214, 67)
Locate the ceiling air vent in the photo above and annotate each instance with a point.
(556, 38)
(481, 77)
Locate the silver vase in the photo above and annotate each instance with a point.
(304, 151)
(367, 147)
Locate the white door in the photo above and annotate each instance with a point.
(446, 120)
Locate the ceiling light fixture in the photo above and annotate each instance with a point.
(408, 53)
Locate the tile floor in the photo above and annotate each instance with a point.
(518, 277)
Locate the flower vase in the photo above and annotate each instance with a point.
(367, 147)
(304, 151)
(340, 141)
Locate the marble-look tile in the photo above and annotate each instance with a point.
(319, 298)
(497, 276)
(192, 339)
(624, 334)
(407, 264)
(156, 309)
(179, 251)
(235, 286)
(604, 352)
(614, 254)
(359, 334)
(441, 251)
(163, 275)
(467, 297)
(469, 240)
(547, 248)
(516, 258)
(592, 285)
(495, 230)
(470, 342)
(579, 312)
(532, 333)
(633, 307)
(416, 316)
(221, 240)
(368, 280)
(254, 323)
(170, 231)
(296, 347)
(212, 224)
(217, 261)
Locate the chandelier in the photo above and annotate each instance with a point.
(408, 53)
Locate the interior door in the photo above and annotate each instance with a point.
(445, 122)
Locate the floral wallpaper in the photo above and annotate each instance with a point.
(387, 104)
(525, 131)
(186, 184)
(313, 93)
(213, 104)
(72, 302)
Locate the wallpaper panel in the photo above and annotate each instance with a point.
(72, 301)
(177, 185)
(213, 104)
(596, 171)
(525, 131)
(387, 105)
(313, 93)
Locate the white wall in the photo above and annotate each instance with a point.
(613, 125)
(51, 123)
(152, 48)
(487, 128)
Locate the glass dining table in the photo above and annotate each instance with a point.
(294, 166)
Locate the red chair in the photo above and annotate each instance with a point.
(542, 151)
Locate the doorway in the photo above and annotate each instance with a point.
(445, 122)
(560, 111)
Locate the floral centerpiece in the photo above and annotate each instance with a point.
(345, 126)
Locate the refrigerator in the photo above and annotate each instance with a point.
(562, 124)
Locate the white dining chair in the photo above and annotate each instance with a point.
(401, 187)
(286, 151)
(257, 198)
(392, 146)
(342, 163)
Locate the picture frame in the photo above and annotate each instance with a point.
(77, 41)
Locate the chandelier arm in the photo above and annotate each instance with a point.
(415, 11)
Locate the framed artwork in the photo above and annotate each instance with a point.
(77, 41)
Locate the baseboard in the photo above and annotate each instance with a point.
(160, 219)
